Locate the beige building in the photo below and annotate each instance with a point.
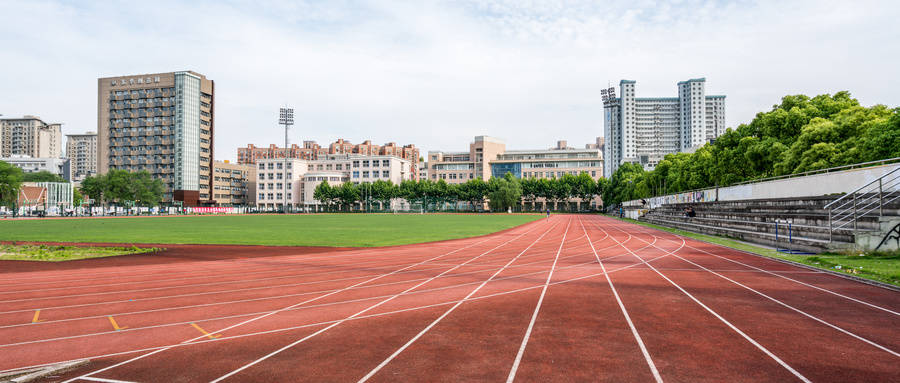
(234, 184)
(304, 175)
(30, 136)
(162, 123)
(487, 157)
(459, 167)
(313, 151)
(81, 150)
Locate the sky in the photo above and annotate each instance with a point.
(438, 73)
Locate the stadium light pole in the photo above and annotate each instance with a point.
(285, 118)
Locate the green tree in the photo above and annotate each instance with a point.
(93, 187)
(584, 188)
(383, 192)
(504, 193)
(348, 194)
(473, 191)
(42, 176)
(145, 190)
(10, 182)
(324, 193)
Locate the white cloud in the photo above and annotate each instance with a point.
(438, 73)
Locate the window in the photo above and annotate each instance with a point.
(356, 174)
(355, 164)
(262, 166)
(366, 173)
(366, 163)
(271, 166)
(278, 166)
(262, 195)
(385, 174)
(385, 162)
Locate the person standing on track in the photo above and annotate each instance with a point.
(548, 213)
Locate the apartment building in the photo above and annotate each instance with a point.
(81, 150)
(644, 130)
(30, 136)
(234, 184)
(313, 151)
(162, 123)
(28, 164)
(301, 175)
(487, 157)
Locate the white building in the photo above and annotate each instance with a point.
(644, 130)
(58, 166)
(81, 150)
(304, 175)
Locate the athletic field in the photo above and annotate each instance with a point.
(340, 230)
(570, 298)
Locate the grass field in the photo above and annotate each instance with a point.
(336, 230)
(64, 253)
(882, 267)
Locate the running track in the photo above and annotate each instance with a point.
(570, 298)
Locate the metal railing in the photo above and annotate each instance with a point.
(845, 212)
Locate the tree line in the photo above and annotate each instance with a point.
(119, 186)
(800, 134)
(500, 193)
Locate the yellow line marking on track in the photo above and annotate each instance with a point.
(204, 332)
(115, 325)
(37, 313)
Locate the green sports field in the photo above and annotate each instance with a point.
(336, 230)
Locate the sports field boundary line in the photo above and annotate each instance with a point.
(502, 293)
(810, 316)
(634, 332)
(867, 281)
(824, 271)
(335, 324)
(276, 297)
(725, 321)
(483, 239)
(512, 372)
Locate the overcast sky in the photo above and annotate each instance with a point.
(436, 74)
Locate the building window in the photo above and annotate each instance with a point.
(365, 173)
(356, 174)
(386, 174)
(385, 163)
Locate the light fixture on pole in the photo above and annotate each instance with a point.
(286, 118)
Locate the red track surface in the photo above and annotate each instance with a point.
(570, 298)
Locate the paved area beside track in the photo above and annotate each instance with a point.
(569, 298)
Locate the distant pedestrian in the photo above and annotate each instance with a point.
(548, 213)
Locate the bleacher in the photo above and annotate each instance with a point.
(755, 221)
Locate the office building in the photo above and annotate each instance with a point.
(643, 130)
(234, 184)
(487, 157)
(30, 136)
(81, 150)
(313, 151)
(162, 123)
(58, 166)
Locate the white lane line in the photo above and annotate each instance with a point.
(93, 379)
(306, 307)
(723, 320)
(810, 316)
(451, 309)
(637, 337)
(283, 309)
(178, 345)
(273, 353)
(779, 275)
(537, 308)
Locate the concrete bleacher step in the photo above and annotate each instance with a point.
(783, 229)
(798, 243)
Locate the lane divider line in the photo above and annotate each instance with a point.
(208, 335)
(115, 325)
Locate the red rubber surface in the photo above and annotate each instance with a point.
(453, 311)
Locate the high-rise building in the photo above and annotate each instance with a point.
(644, 130)
(162, 123)
(234, 184)
(30, 136)
(81, 150)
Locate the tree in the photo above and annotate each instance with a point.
(384, 191)
(144, 189)
(77, 198)
(584, 188)
(93, 187)
(324, 193)
(348, 194)
(504, 193)
(42, 176)
(473, 191)
(10, 182)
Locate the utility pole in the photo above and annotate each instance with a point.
(286, 118)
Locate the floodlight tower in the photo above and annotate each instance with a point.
(286, 118)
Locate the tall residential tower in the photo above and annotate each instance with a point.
(644, 130)
(30, 136)
(162, 123)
